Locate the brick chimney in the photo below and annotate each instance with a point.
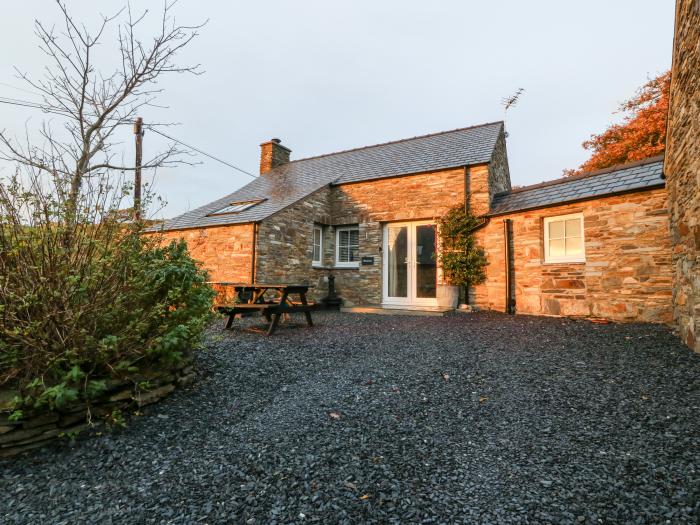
(272, 154)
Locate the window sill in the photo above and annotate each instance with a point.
(346, 267)
(576, 261)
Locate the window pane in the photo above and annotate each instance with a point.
(426, 267)
(317, 235)
(556, 248)
(574, 246)
(348, 245)
(556, 229)
(235, 207)
(573, 227)
(398, 255)
(317, 252)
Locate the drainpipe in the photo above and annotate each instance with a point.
(507, 237)
(467, 206)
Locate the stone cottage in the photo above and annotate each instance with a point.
(595, 245)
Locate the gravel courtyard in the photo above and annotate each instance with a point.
(479, 418)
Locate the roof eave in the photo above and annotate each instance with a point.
(587, 175)
(202, 226)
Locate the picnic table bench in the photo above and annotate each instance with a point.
(252, 298)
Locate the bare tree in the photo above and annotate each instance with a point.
(96, 103)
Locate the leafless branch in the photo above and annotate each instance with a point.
(94, 104)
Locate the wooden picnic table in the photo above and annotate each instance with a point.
(252, 297)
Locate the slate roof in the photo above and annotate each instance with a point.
(642, 175)
(288, 183)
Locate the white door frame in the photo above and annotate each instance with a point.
(410, 299)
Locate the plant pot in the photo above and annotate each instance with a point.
(447, 296)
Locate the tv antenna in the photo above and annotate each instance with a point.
(509, 102)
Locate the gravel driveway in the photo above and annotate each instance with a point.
(480, 418)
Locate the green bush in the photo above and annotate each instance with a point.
(88, 300)
(463, 262)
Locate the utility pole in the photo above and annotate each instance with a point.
(138, 131)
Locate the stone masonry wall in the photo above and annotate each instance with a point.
(479, 189)
(285, 243)
(372, 203)
(499, 172)
(487, 180)
(285, 239)
(627, 275)
(226, 252)
(682, 169)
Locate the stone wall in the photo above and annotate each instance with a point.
(36, 430)
(285, 242)
(226, 252)
(479, 189)
(486, 180)
(285, 239)
(627, 274)
(372, 203)
(682, 169)
(499, 172)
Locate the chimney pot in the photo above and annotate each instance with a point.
(273, 154)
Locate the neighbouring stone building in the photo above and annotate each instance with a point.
(619, 265)
(595, 245)
(682, 169)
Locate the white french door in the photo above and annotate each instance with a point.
(409, 264)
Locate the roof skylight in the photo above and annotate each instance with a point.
(236, 207)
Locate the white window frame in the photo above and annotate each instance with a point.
(578, 258)
(319, 261)
(347, 264)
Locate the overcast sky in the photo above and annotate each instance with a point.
(325, 76)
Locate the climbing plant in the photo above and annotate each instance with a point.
(462, 260)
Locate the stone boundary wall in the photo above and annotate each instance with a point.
(41, 429)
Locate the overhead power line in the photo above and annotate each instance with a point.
(64, 113)
(34, 105)
(20, 89)
(202, 152)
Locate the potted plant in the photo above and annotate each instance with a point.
(462, 261)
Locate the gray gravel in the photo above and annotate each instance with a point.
(481, 418)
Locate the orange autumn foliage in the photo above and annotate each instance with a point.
(641, 135)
